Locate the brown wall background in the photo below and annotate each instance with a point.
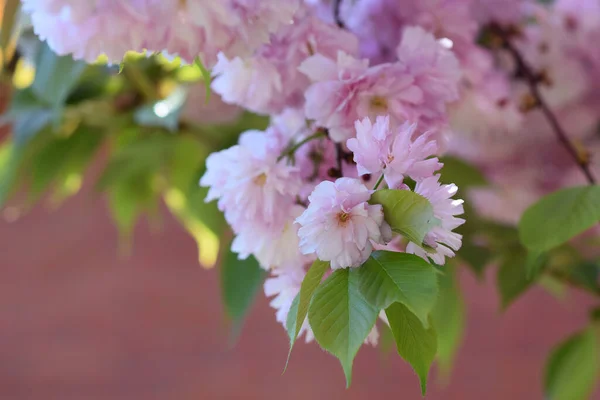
(79, 322)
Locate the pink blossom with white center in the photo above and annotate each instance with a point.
(441, 240)
(378, 148)
(340, 225)
(253, 188)
(435, 69)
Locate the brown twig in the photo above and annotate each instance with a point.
(533, 81)
(337, 5)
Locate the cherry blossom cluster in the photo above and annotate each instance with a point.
(365, 95)
(341, 128)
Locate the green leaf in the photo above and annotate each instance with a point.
(341, 318)
(448, 318)
(573, 367)
(408, 213)
(534, 263)
(512, 277)
(388, 277)
(559, 217)
(310, 283)
(10, 159)
(241, 281)
(461, 173)
(587, 274)
(28, 115)
(415, 344)
(61, 157)
(55, 76)
(476, 257)
(128, 198)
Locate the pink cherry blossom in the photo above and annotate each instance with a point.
(350, 90)
(340, 225)
(269, 81)
(378, 148)
(441, 241)
(435, 69)
(252, 186)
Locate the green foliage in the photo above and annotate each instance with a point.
(448, 318)
(476, 257)
(341, 318)
(415, 343)
(389, 277)
(241, 281)
(62, 159)
(512, 277)
(310, 283)
(573, 368)
(461, 173)
(55, 77)
(559, 217)
(408, 213)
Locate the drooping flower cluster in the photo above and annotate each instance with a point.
(337, 125)
(363, 96)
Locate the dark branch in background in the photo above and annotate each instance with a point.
(337, 4)
(533, 80)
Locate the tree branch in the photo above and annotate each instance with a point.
(337, 4)
(533, 81)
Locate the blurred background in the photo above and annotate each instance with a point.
(78, 321)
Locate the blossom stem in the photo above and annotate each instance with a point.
(378, 182)
(319, 133)
(533, 82)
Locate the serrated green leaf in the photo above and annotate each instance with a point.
(448, 318)
(388, 277)
(416, 344)
(407, 213)
(341, 318)
(241, 281)
(573, 368)
(559, 217)
(310, 283)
